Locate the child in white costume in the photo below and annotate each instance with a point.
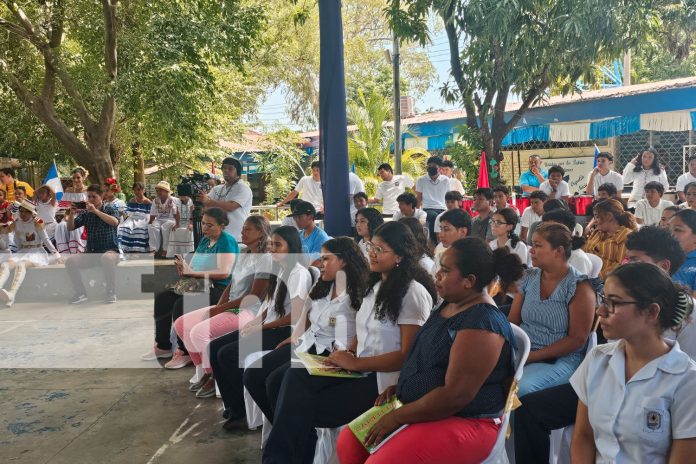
(181, 236)
(30, 238)
(163, 216)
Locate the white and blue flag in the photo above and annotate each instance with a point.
(52, 179)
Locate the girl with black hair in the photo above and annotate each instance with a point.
(326, 324)
(641, 170)
(398, 301)
(503, 226)
(288, 287)
(578, 258)
(366, 222)
(637, 393)
(426, 253)
(455, 381)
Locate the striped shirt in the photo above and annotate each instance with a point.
(546, 321)
(611, 249)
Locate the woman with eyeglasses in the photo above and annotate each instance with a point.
(637, 394)
(397, 303)
(366, 221)
(555, 307)
(503, 225)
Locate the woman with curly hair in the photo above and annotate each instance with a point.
(326, 324)
(641, 170)
(608, 241)
(366, 221)
(399, 297)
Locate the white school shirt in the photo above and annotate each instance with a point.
(640, 178)
(433, 191)
(563, 189)
(612, 177)
(418, 214)
(427, 263)
(520, 250)
(310, 191)
(529, 217)
(355, 185)
(436, 225)
(579, 260)
(455, 185)
(299, 283)
(651, 216)
(379, 337)
(388, 191)
(683, 180)
(240, 193)
(362, 244)
(636, 421)
(331, 321)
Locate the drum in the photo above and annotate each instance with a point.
(522, 203)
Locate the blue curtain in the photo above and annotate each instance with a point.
(439, 142)
(333, 141)
(693, 120)
(526, 134)
(614, 127)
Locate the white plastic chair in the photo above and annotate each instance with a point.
(498, 454)
(596, 265)
(325, 451)
(314, 272)
(254, 415)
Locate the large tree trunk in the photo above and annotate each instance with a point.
(138, 163)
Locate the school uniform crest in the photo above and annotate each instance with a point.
(653, 420)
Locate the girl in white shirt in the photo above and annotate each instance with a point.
(648, 170)
(326, 324)
(366, 221)
(46, 206)
(637, 394)
(503, 227)
(398, 301)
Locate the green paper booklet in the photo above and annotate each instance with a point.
(315, 366)
(361, 425)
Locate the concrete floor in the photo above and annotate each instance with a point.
(73, 390)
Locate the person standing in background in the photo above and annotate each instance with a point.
(9, 184)
(430, 192)
(310, 188)
(390, 188)
(448, 171)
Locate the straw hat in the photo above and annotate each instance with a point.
(28, 205)
(164, 185)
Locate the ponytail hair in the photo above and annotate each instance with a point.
(615, 208)
(512, 219)
(567, 218)
(474, 257)
(648, 284)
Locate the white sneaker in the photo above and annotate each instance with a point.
(156, 353)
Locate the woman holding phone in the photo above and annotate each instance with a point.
(72, 241)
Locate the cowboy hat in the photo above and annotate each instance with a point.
(164, 185)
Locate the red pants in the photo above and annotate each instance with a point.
(452, 440)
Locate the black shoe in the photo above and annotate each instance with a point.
(110, 298)
(235, 424)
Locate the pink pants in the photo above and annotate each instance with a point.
(451, 440)
(197, 330)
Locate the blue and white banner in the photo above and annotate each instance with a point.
(52, 179)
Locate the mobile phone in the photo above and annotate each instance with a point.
(79, 204)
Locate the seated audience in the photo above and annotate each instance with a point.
(312, 236)
(181, 236)
(289, 220)
(608, 241)
(456, 378)
(501, 198)
(366, 222)
(690, 194)
(408, 208)
(426, 252)
(641, 170)
(454, 224)
(578, 258)
(397, 304)
(532, 213)
(453, 200)
(359, 202)
(72, 241)
(327, 324)
(504, 222)
(164, 214)
(481, 226)
(602, 174)
(238, 304)
(555, 307)
(683, 228)
(9, 184)
(555, 187)
(636, 393)
(686, 178)
(132, 233)
(649, 209)
(46, 206)
(289, 285)
(213, 260)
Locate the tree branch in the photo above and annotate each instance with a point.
(456, 64)
(531, 96)
(110, 43)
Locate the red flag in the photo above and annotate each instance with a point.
(483, 172)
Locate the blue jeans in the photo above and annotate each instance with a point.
(539, 376)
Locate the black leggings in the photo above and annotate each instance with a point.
(228, 363)
(169, 306)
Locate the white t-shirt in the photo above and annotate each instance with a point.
(455, 185)
(418, 214)
(436, 225)
(636, 421)
(686, 336)
(639, 179)
(331, 321)
(683, 180)
(579, 260)
(387, 191)
(427, 263)
(299, 283)
(240, 193)
(247, 268)
(612, 177)
(563, 189)
(520, 250)
(433, 191)
(310, 191)
(377, 337)
(289, 221)
(650, 215)
(355, 185)
(529, 217)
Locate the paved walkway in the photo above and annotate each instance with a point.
(72, 390)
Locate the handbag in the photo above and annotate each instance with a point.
(188, 285)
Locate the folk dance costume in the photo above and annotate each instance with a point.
(30, 238)
(132, 233)
(181, 239)
(6, 217)
(159, 229)
(47, 212)
(71, 241)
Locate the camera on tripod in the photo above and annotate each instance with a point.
(192, 186)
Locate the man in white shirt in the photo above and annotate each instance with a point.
(430, 192)
(649, 209)
(355, 185)
(686, 178)
(310, 188)
(603, 174)
(532, 213)
(234, 197)
(390, 188)
(407, 208)
(555, 187)
(455, 184)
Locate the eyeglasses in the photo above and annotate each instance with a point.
(499, 223)
(612, 304)
(378, 250)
